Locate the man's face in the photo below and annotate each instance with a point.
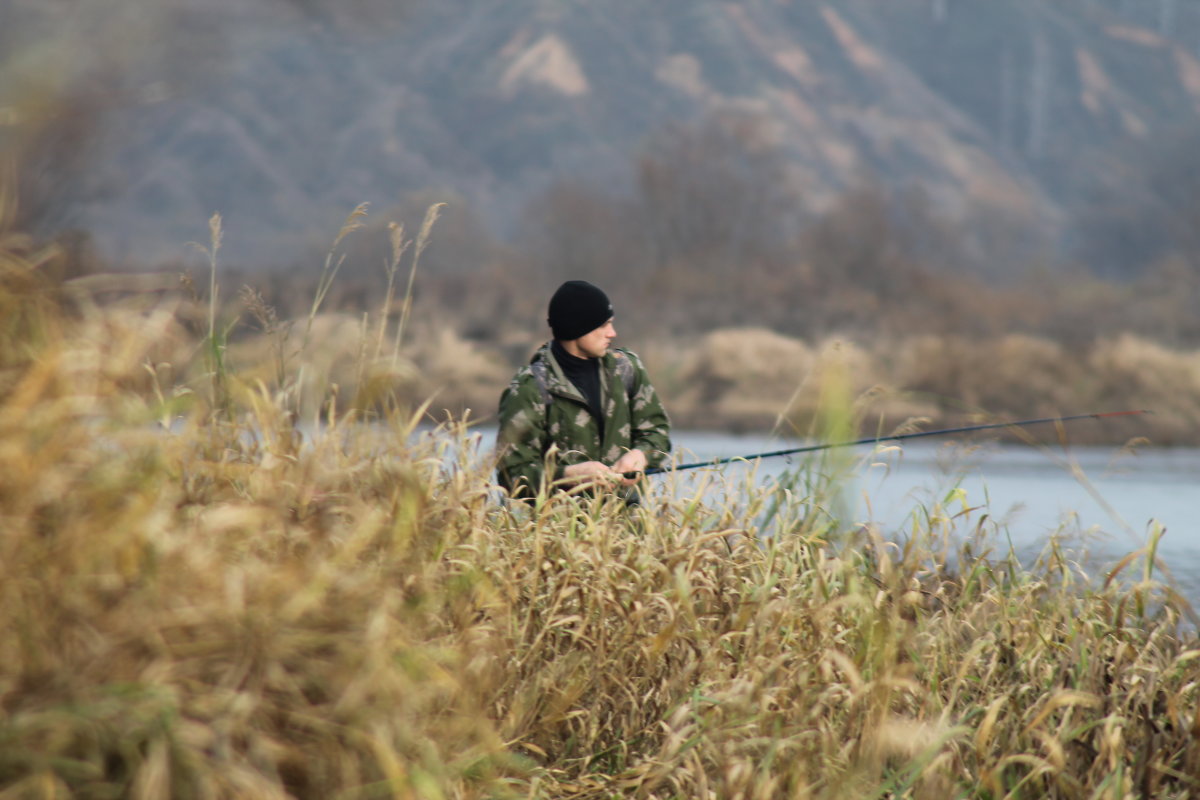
(595, 343)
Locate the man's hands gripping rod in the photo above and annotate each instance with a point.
(628, 470)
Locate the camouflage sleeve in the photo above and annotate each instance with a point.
(521, 438)
(651, 426)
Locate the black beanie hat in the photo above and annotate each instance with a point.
(577, 308)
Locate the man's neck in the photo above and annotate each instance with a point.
(571, 348)
(584, 374)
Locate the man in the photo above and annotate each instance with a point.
(581, 406)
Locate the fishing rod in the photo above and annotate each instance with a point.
(877, 439)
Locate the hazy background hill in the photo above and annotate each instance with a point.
(1042, 124)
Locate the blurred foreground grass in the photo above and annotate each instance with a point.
(222, 609)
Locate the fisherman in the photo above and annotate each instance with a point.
(581, 408)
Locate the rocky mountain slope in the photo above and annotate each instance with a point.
(285, 115)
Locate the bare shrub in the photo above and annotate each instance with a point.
(1013, 374)
(438, 365)
(1129, 372)
(755, 379)
(742, 377)
(456, 373)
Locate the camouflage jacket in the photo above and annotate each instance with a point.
(538, 413)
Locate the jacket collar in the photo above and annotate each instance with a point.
(560, 384)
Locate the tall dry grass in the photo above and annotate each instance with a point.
(227, 608)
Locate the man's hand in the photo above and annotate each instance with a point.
(632, 462)
(590, 472)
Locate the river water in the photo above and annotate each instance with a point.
(1102, 499)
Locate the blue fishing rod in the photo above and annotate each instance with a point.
(716, 462)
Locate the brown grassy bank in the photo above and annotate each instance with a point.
(738, 380)
(753, 379)
(756, 380)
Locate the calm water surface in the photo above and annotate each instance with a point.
(1106, 498)
(1102, 498)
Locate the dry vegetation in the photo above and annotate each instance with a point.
(753, 379)
(741, 379)
(224, 607)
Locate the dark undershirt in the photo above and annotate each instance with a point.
(585, 374)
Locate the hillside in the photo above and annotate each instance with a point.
(285, 115)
